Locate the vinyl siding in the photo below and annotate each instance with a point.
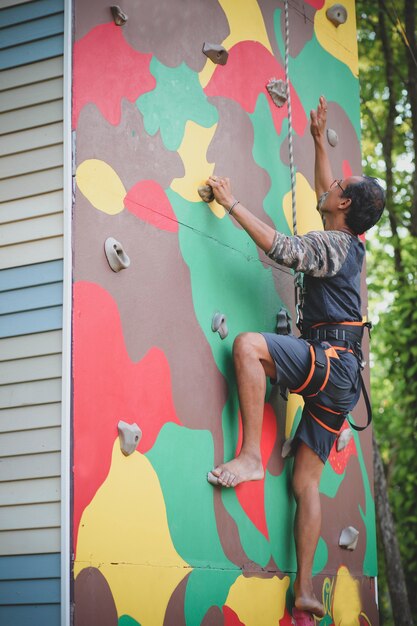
(31, 250)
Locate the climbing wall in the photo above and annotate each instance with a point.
(154, 543)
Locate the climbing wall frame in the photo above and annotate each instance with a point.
(154, 543)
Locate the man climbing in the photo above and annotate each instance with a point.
(331, 261)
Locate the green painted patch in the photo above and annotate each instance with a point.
(330, 481)
(307, 71)
(226, 275)
(206, 588)
(266, 153)
(126, 620)
(177, 98)
(181, 458)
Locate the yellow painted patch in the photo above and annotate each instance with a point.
(246, 24)
(341, 42)
(308, 218)
(294, 403)
(193, 152)
(258, 600)
(346, 607)
(124, 532)
(100, 184)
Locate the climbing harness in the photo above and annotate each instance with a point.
(345, 336)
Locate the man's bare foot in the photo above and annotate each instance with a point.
(241, 469)
(307, 601)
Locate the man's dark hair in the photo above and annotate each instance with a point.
(368, 201)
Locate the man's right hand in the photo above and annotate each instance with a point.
(318, 120)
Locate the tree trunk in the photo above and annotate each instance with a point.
(395, 574)
(388, 137)
(410, 29)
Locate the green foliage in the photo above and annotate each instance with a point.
(392, 254)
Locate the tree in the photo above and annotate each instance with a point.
(388, 79)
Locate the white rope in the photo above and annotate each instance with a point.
(298, 277)
(290, 146)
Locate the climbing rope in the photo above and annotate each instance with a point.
(298, 277)
(290, 145)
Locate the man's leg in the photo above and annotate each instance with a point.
(252, 364)
(308, 468)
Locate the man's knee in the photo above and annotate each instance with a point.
(307, 471)
(247, 346)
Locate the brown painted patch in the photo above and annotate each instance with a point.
(347, 149)
(213, 617)
(368, 596)
(250, 182)
(343, 511)
(127, 148)
(156, 308)
(182, 30)
(301, 25)
(228, 531)
(93, 600)
(174, 614)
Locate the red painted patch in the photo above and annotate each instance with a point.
(316, 4)
(339, 460)
(230, 617)
(148, 201)
(286, 620)
(249, 68)
(107, 69)
(346, 169)
(109, 387)
(251, 494)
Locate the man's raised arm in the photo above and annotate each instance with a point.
(323, 176)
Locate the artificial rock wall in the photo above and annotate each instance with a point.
(154, 543)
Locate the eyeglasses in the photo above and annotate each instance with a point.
(337, 182)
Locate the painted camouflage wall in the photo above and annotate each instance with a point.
(154, 543)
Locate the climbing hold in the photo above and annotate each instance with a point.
(116, 256)
(332, 137)
(129, 435)
(119, 17)
(283, 326)
(337, 14)
(349, 538)
(343, 439)
(286, 449)
(277, 89)
(206, 193)
(215, 53)
(218, 325)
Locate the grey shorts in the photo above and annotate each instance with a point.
(292, 360)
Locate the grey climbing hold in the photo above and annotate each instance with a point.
(129, 436)
(119, 17)
(283, 326)
(277, 89)
(206, 193)
(116, 256)
(349, 538)
(337, 14)
(215, 53)
(332, 137)
(343, 439)
(286, 449)
(219, 325)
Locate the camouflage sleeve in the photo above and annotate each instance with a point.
(319, 253)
